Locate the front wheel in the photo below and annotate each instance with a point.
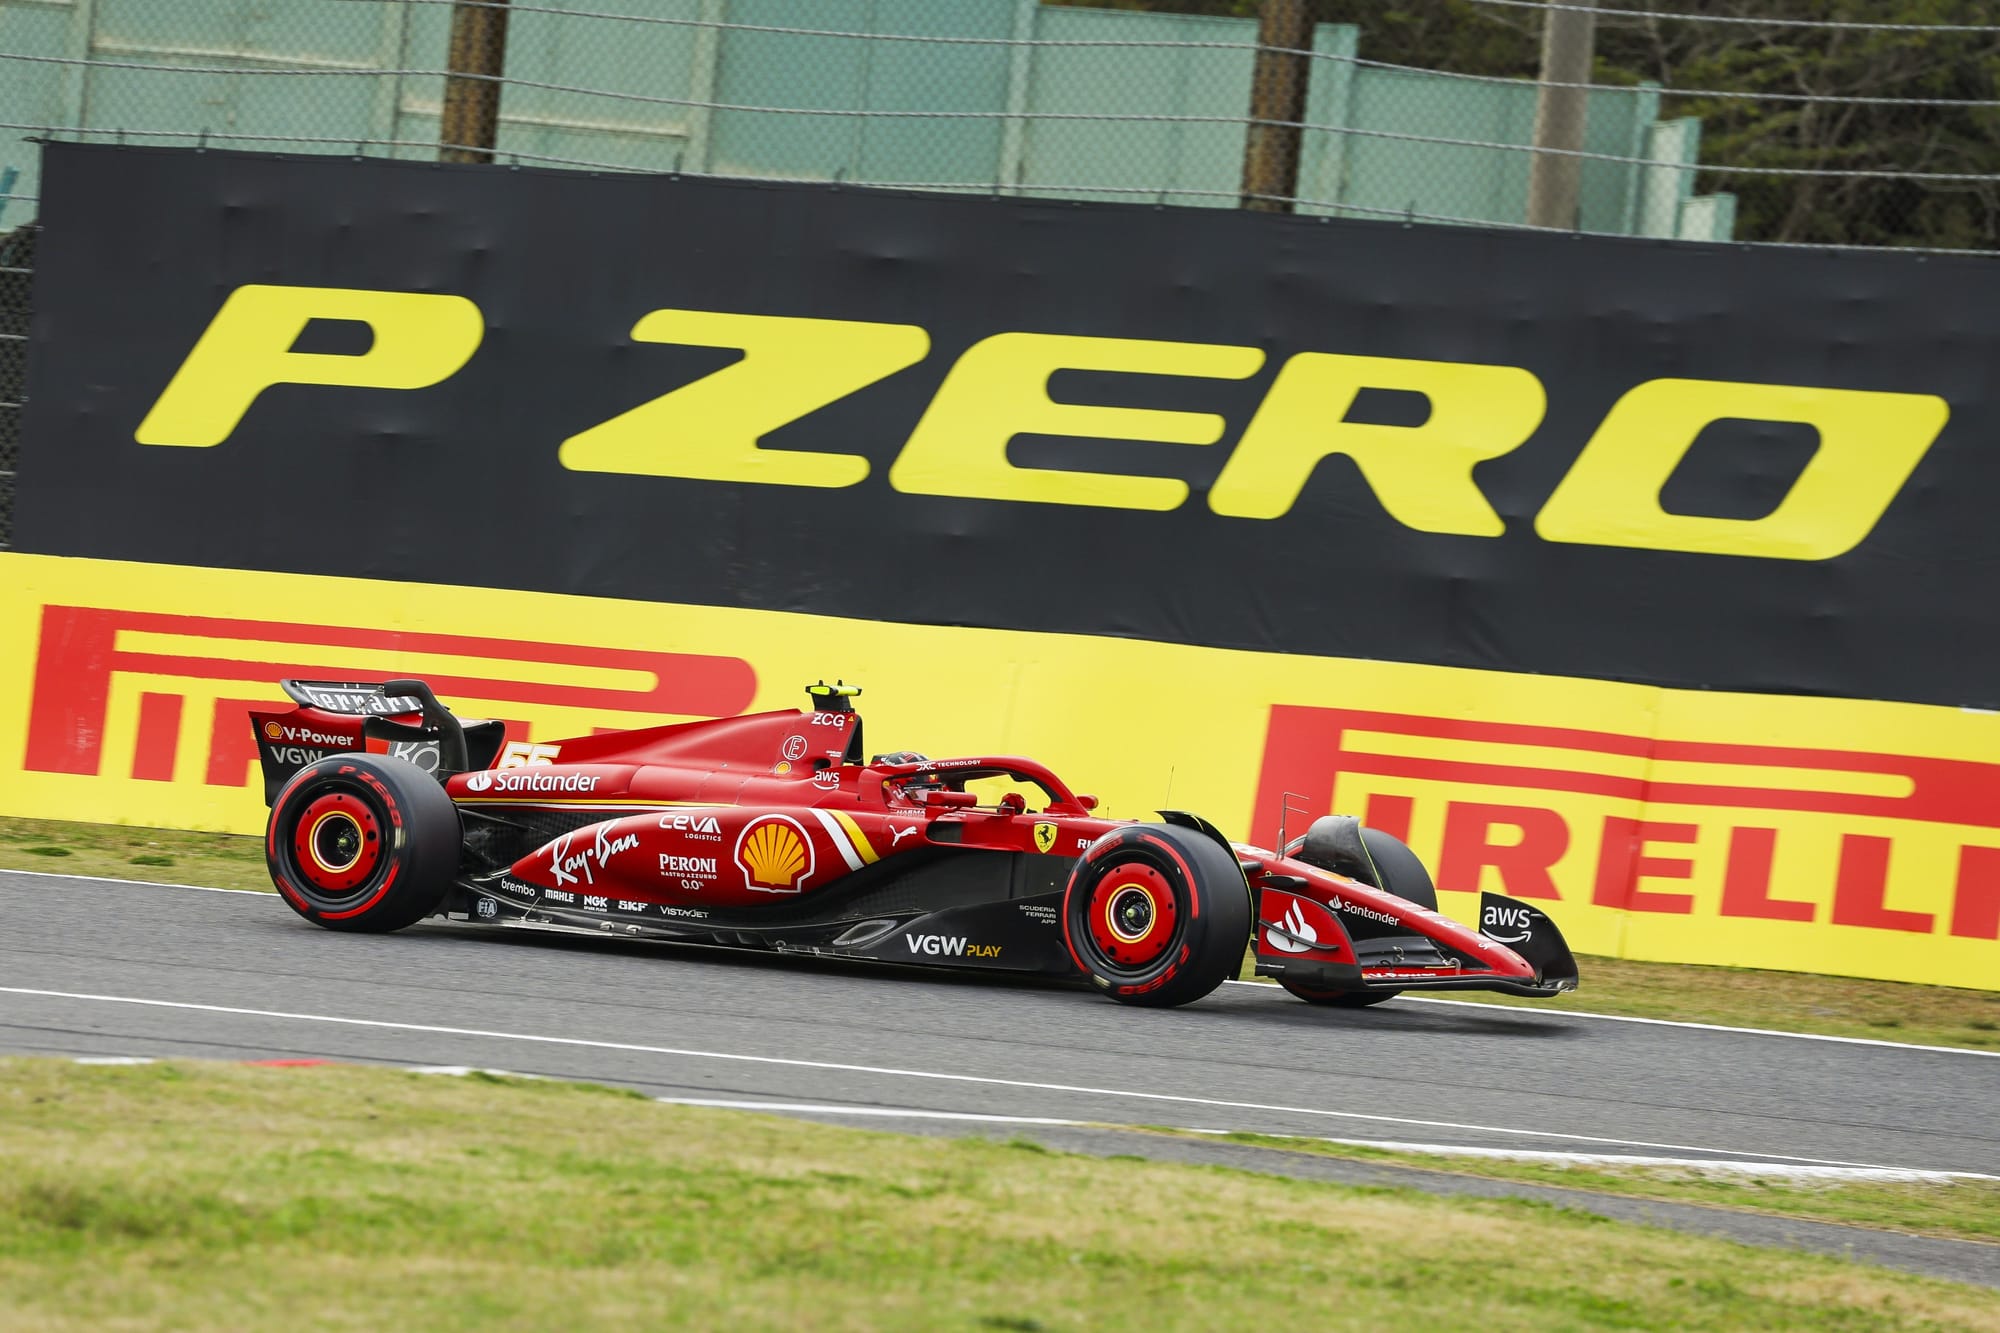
(1341, 844)
(363, 843)
(1156, 914)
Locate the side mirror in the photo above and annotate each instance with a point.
(1087, 802)
(954, 800)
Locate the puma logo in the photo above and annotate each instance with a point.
(896, 835)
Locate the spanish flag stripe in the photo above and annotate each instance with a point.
(838, 838)
(861, 846)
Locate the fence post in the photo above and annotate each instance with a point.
(477, 59)
(1567, 38)
(1277, 105)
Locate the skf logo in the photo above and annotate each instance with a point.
(710, 429)
(1045, 837)
(89, 655)
(1652, 827)
(774, 854)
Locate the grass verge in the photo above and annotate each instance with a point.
(120, 851)
(1957, 1209)
(1736, 997)
(235, 1196)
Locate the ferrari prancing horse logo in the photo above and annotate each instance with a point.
(1045, 837)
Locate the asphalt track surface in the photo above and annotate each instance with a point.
(100, 968)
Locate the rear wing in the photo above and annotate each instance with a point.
(351, 698)
(399, 718)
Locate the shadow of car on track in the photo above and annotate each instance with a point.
(1233, 1002)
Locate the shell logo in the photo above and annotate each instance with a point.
(774, 854)
(274, 731)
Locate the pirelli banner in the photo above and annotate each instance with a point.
(1693, 826)
(1651, 580)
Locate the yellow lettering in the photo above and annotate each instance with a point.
(421, 338)
(1869, 443)
(1421, 474)
(1000, 389)
(709, 430)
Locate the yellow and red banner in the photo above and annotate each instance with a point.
(1811, 834)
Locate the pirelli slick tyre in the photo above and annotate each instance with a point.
(1397, 870)
(1156, 914)
(362, 842)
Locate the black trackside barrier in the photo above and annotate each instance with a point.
(922, 367)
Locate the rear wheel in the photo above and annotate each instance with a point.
(1156, 914)
(362, 842)
(1388, 864)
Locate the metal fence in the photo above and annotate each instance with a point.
(1719, 120)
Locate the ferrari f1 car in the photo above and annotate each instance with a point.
(777, 831)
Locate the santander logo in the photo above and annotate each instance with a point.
(1295, 924)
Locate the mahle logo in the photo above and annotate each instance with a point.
(713, 428)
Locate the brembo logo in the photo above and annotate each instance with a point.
(225, 667)
(710, 429)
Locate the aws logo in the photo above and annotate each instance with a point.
(711, 429)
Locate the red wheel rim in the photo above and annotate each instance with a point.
(1132, 915)
(337, 843)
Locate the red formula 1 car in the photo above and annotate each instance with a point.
(775, 831)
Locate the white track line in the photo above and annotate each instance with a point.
(1178, 1099)
(1899, 1174)
(1903, 1174)
(1896, 1174)
(881, 1112)
(140, 883)
(1667, 1023)
(1271, 986)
